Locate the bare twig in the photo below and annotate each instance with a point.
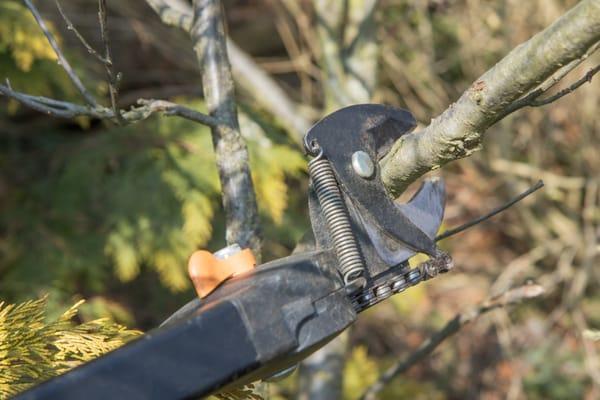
(114, 80)
(169, 108)
(586, 78)
(79, 36)
(509, 297)
(459, 130)
(239, 199)
(61, 58)
(530, 98)
(251, 77)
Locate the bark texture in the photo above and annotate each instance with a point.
(239, 201)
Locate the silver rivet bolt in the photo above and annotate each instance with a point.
(414, 276)
(362, 164)
(399, 285)
(383, 292)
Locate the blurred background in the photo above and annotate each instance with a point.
(110, 214)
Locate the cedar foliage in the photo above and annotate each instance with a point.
(34, 349)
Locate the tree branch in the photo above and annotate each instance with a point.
(114, 80)
(65, 109)
(64, 63)
(453, 326)
(239, 200)
(459, 130)
(530, 99)
(586, 78)
(251, 77)
(79, 36)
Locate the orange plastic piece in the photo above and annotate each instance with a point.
(208, 272)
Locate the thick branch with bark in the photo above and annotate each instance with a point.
(458, 131)
(239, 200)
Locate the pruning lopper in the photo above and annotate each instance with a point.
(260, 323)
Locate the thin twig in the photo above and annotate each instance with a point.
(586, 78)
(114, 80)
(509, 297)
(79, 36)
(169, 108)
(530, 99)
(61, 58)
(496, 211)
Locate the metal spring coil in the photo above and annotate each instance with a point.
(336, 215)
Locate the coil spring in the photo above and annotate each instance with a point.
(336, 216)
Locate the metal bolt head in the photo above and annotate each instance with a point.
(414, 276)
(384, 292)
(399, 285)
(362, 164)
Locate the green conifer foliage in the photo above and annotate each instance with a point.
(91, 207)
(33, 349)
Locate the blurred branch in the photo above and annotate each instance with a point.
(239, 201)
(251, 77)
(346, 32)
(509, 297)
(459, 130)
(320, 376)
(64, 63)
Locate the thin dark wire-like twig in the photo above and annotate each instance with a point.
(496, 211)
(64, 63)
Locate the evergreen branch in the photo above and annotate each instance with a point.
(33, 350)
